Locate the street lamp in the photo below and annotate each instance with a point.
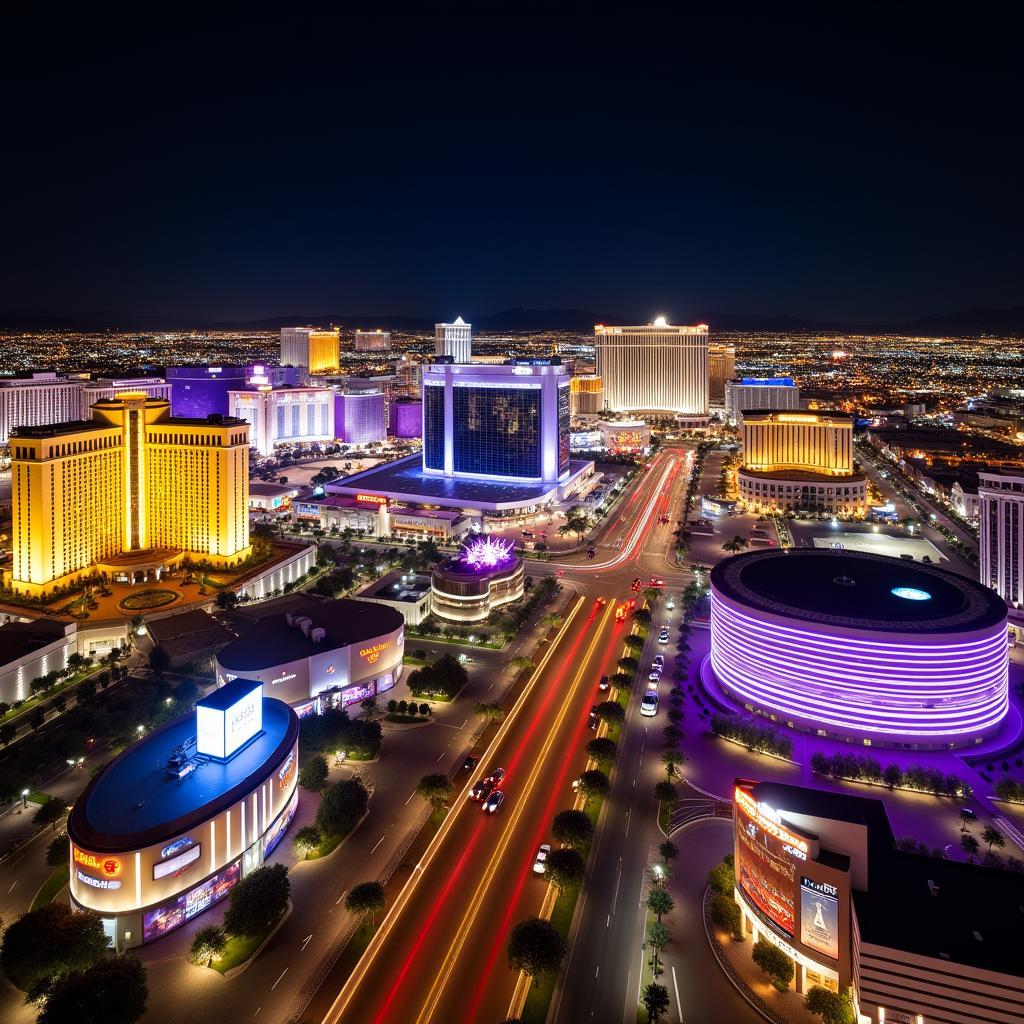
(24, 798)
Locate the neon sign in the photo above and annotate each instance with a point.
(371, 654)
(372, 499)
(286, 771)
(109, 866)
(97, 883)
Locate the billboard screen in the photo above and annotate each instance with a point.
(767, 853)
(171, 915)
(819, 916)
(222, 729)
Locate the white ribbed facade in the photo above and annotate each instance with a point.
(111, 387)
(373, 341)
(280, 415)
(1001, 540)
(455, 340)
(758, 394)
(36, 401)
(655, 368)
(808, 441)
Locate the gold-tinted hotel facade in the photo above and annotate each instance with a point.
(132, 488)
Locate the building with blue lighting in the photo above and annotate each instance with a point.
(768, 393)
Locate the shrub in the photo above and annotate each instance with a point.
(774, 963)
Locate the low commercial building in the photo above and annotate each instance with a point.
(484, 576)
(189, 637)
(914, 938)
(29, 650)
(799, 491)
(314, 654)
(407, 593)
(171, 825)
(437, 524)
(369, 519)
(624, 436)
(273, 499)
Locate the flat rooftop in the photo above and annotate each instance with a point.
(399, 586)
(858, 590)
(133, 802)
(405, 480)
(273, 642)
(268, 490)
(20, 638)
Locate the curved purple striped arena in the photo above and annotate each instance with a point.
(860, 647)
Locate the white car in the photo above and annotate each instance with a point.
(663, 637)
(659, 660)
(540, 863)
(649, 704)
(654, 677)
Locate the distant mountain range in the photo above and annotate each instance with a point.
(966, 322)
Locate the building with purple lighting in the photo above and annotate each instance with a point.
(860, 647)
(201, 390)
(405, 418)
(359, 416)
(484, 575)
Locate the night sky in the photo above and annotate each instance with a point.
(867, 169)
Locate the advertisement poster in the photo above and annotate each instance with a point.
(278, 829)
(171, 915)
(765, 871)
(819, 917)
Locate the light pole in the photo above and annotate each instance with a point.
(24, 799)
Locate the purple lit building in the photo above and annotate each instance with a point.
(860, 647)
(485, 574)
(359, 416)
(202, 390)
(405, 418)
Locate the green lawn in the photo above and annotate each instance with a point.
(239, 949)
(51, 887)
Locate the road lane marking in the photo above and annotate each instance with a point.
(439, 756)
(379, 841)
(9, 891)
(344, 997)
(305, 942)
(278, 982)
(628, 813)
(679, 1005)
(411, 795)
(340, 898)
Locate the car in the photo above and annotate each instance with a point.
(657, 581)
(602, 683)
(659, 660)
(602, 601)
(671, 604)
(649, 704)
(540, 862)
(481, 790)
(654, 677)
(560, 572)
(591, 552)
(470, 763)
(636, 583)
(493, 802)
(497, 774)
(967, 814)
(663, 637)
(592, 718)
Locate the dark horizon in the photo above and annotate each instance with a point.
(838, 170)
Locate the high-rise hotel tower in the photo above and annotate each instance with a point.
(656, 368)
(129, 492)
(311, 349)
(455, 340)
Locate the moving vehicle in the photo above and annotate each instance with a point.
(649, 704)
(481, 790)
(497, 774)
(654, 677)
(657, 581)
(470, 763)
(659, 660)
(663, 637)
(592, 719)
(591, 552)
(540, 862)
(493, 802)
(636, 583)
(602, 683)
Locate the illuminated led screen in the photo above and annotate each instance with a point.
(819, 916)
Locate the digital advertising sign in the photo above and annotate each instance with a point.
(229, 718)
(174, 914)
(767, 854)
(819, 916)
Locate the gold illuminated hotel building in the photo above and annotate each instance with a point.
(800, 462)
(127, 493)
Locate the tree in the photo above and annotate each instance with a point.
(610, 711)
(666, 792)
(572, 828)
(521, 662)
(970, 846)
(436, 789)
(668, 851)
(36, 717)
(564, 868)
(112, 991)
(45, 944)
(774, 963)
(722, 877)
(159, 661)
(642, 617)
(593, 783)
(226, 600)
(737, 543)
(307, 841)
(490, 711)
(893, 775)
(725, 912)
(633, 642)
(257, 901)
(313, 773)
(993, 837)
(660, 902)
(366, 898)
(671, 759)
(341, 807)
(50, 813)
(602, 751)
(832, 1007)
(655, 1002)
(657, 938)
(207, 945)
(535, 948)
(57, 851)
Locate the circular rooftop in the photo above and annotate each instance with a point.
(857, 590)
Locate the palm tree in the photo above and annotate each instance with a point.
(993, 837)
(969, 845)
(738, 543)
